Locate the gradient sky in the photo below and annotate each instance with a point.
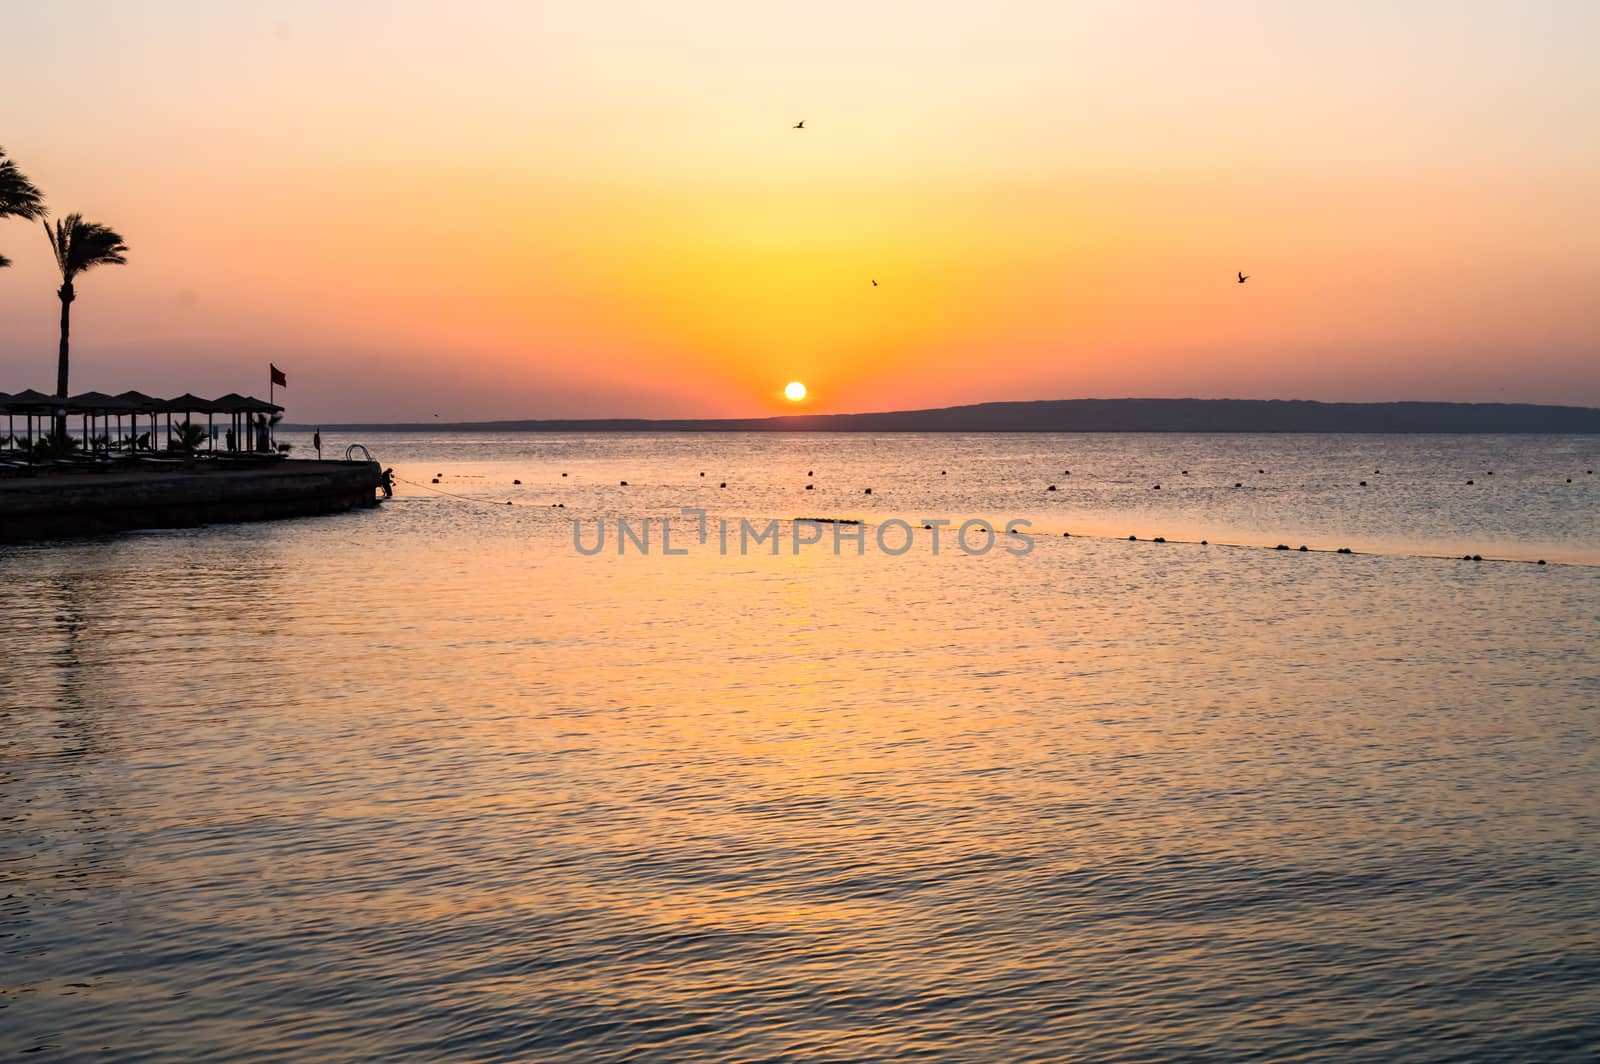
(587, 209)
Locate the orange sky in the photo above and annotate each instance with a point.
(505, 210)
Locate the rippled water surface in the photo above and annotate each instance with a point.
(425, 783)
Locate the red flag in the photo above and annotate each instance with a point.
(277, 376)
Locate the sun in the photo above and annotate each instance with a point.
(794, 391)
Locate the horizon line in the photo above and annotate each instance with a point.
(1408, 415)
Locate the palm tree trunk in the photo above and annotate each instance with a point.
(67, 296)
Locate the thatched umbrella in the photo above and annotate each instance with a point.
(186, 404)
(98, 404)
(245, 405)
(141, 404)
(33, 404)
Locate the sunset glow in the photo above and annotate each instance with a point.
(464, 216)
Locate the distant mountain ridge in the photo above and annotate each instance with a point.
(1094, 415)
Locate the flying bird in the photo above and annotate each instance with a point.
(799, 125)
(874, 284)
(1243, 277)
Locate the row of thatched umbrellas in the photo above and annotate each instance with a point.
(98, 409)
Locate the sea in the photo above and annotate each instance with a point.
(686, 747)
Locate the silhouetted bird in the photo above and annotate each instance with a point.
(874, 284)
(1243, 277)
(799, 125)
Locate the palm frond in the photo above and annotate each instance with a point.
(19, 197)
(79, 245)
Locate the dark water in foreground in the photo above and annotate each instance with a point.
(425, 784)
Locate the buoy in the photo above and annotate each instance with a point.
(1133, 539)
(702, 474)
(1066, 472)
(1261, 471)
(436, 480)
(1477, 557)
(562, 505)
(1237, 484)
(508, 502)
(1469, 482)
(1204, 543)
(810, 487)
(941, 472)
(1541, 561)
(1304, 548)
(516, 482)
(808, 473)
(1363, 483)
(1159, 539)
(624, 483)
(1375, 472)
(1466, 557)
(927, 526)
(723, 484)
(1158, 487)
(1281, 546)
(1185, 472)
(1345, 550)
(1066, 535)
(1491, 472)
(869, 491)
(1051, 488)
(1569, 480)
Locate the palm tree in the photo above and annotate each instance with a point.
(79, 246)
(188, 437)
(18, 196)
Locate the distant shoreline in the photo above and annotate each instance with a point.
(1089, 415)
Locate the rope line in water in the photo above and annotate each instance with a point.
(451, 494)
(1107, 537)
